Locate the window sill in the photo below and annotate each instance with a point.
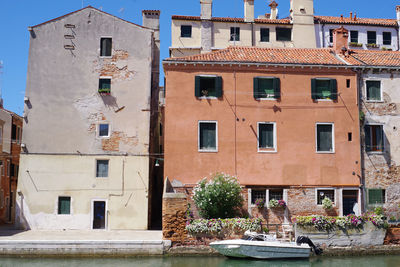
(325, 152)
(207, 97)
(103, 137)
(375, 101)
(324, 100)
(105, 57)
(64, 214)
(185, 37)
(266, 99)
(267, 151)
(320, 205)
(102, 177)
(375, 152)
(207, 151)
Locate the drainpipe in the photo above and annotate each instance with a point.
(323, 34)
(362, 177)
(252, 35)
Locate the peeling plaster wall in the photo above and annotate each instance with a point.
(6, 120)
(382, 169)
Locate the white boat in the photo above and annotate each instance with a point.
(252, 247)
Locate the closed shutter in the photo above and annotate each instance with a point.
(218, 86)
(314, 94)
(376, 196)
(367, 131)
(255, 88)
(334, 90)
(277, 88)
(64, 205)
(197, 92)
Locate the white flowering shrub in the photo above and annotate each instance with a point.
(218, 226)
(327, 203)
(219, 197)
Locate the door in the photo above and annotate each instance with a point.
(350, 202)
(99, 215)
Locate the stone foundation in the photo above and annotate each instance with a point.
(174, 218)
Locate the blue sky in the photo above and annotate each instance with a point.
(17, 15)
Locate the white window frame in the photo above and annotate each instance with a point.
(251, 196)
(333, 138)
(383, 137)
(98, 130)
(70, 206)
(216, 137)
(266, 98)
(274, 149)
(95, 168)
(207, 76)
(326, 188)
(112, 42)
(366, 89)
(105, 211)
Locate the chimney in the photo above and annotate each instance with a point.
(351, 15)
(151, 19)
(206, 9)
(398, 13)
(274, 10)
(302, 18)
(341, 40)
(248, 10)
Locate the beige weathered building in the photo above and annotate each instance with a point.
(91, 112)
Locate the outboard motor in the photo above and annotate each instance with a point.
(305, 240)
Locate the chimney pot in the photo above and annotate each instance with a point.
(274, 10)
(340, 40)
(351, 15)
(398, 13)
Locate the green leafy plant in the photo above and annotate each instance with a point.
(354, 44)
(219, 197)
(379, 211)
(218, 226)
(327, 203)
(273, 203)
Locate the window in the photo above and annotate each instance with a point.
(354, 37)
(324, 88)
(235, 34)
(331, 35)
(161, 129)
(374, 138)
(2, 167)
(257, 194)
(321, 194)
(348, 83)
(14, 132)
(350, 137)
(325, 137)
(276, 194)
(283, 34)
(208, 86)
(387, 38)
(105, 86)
(64, 205)
(19, 134)
(105, 47)
(102, 168)
(266, 137)
(376, 196)
(208, 136)
(371, 37)
(264, 35)
(266, 87)
(186, 31)
(12, 170)
(373, 90)
(104, 130)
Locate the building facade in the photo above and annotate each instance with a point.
(91, 112)
(284, 121)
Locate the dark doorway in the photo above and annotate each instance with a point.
(350, 199)
(99, 215)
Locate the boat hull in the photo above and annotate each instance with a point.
(261, 249)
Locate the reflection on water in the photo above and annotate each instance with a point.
(371, 261)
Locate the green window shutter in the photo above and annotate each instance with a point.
(334, 90)
(376, 196)
(367, 131)
(277, 88)
(255, 88)
(64, 205)
(218, 86)
(314, 94)
(197, 91)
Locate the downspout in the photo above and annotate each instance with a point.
(252, 35)
(362, 177)
(322, 34)
(236, 121)
(398, 36)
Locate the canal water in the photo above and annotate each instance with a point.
(369, 261)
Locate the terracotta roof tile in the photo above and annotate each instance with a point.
(377, 58)
(238, 20)
(321, 56)
(357, 21)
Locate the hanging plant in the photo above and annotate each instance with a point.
(260, 203)
(273, 203)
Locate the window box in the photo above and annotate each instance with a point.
(266, 88)
(373, 45)
(105, 91)
(386, 48)
(104, 86)
(208, 86)
(355, 44)
(324, 88)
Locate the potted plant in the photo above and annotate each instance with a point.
(327, 203)
(260, 203)
(354, 44)
(373, 45)
(273, 203)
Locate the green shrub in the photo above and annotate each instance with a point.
(219, 197)
(327, 203)
(379, 211)
(224, 226)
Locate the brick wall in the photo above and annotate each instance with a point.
(174, 218)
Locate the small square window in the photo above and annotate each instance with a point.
(208, 86)
(266, 88)
(104, 86)
(186, 31)
(266, 137)
(235, 34)
(64, 205)
(376, 196)
(208, 136)
(373, 90)
(257, 194)
(283, 34)
(374, 138)
(325, 138)
(105, 47)
(387, 38)
(354, 37)
(264, 35)
(348, 83)
(321, 194)
(324, 88)
(371, 37)
(102, 168)
(276, 194)
(104, 130)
